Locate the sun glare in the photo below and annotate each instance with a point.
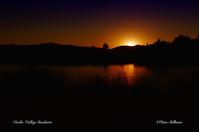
(131, 44)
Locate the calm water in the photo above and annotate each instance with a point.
(109, 76)
(81, 75)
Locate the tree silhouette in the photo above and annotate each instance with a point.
(105, 46)
(182, 40)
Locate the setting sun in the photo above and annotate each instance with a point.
(131, 44)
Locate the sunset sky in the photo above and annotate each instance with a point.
(94, 22)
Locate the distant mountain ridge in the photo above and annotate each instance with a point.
(183, 50)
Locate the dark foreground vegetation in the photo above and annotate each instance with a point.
(183, 50)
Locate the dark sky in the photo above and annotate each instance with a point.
(93, 22)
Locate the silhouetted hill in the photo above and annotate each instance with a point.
(183, 50)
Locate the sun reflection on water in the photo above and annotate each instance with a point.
(112, 75)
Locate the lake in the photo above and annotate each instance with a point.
(113, 93)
